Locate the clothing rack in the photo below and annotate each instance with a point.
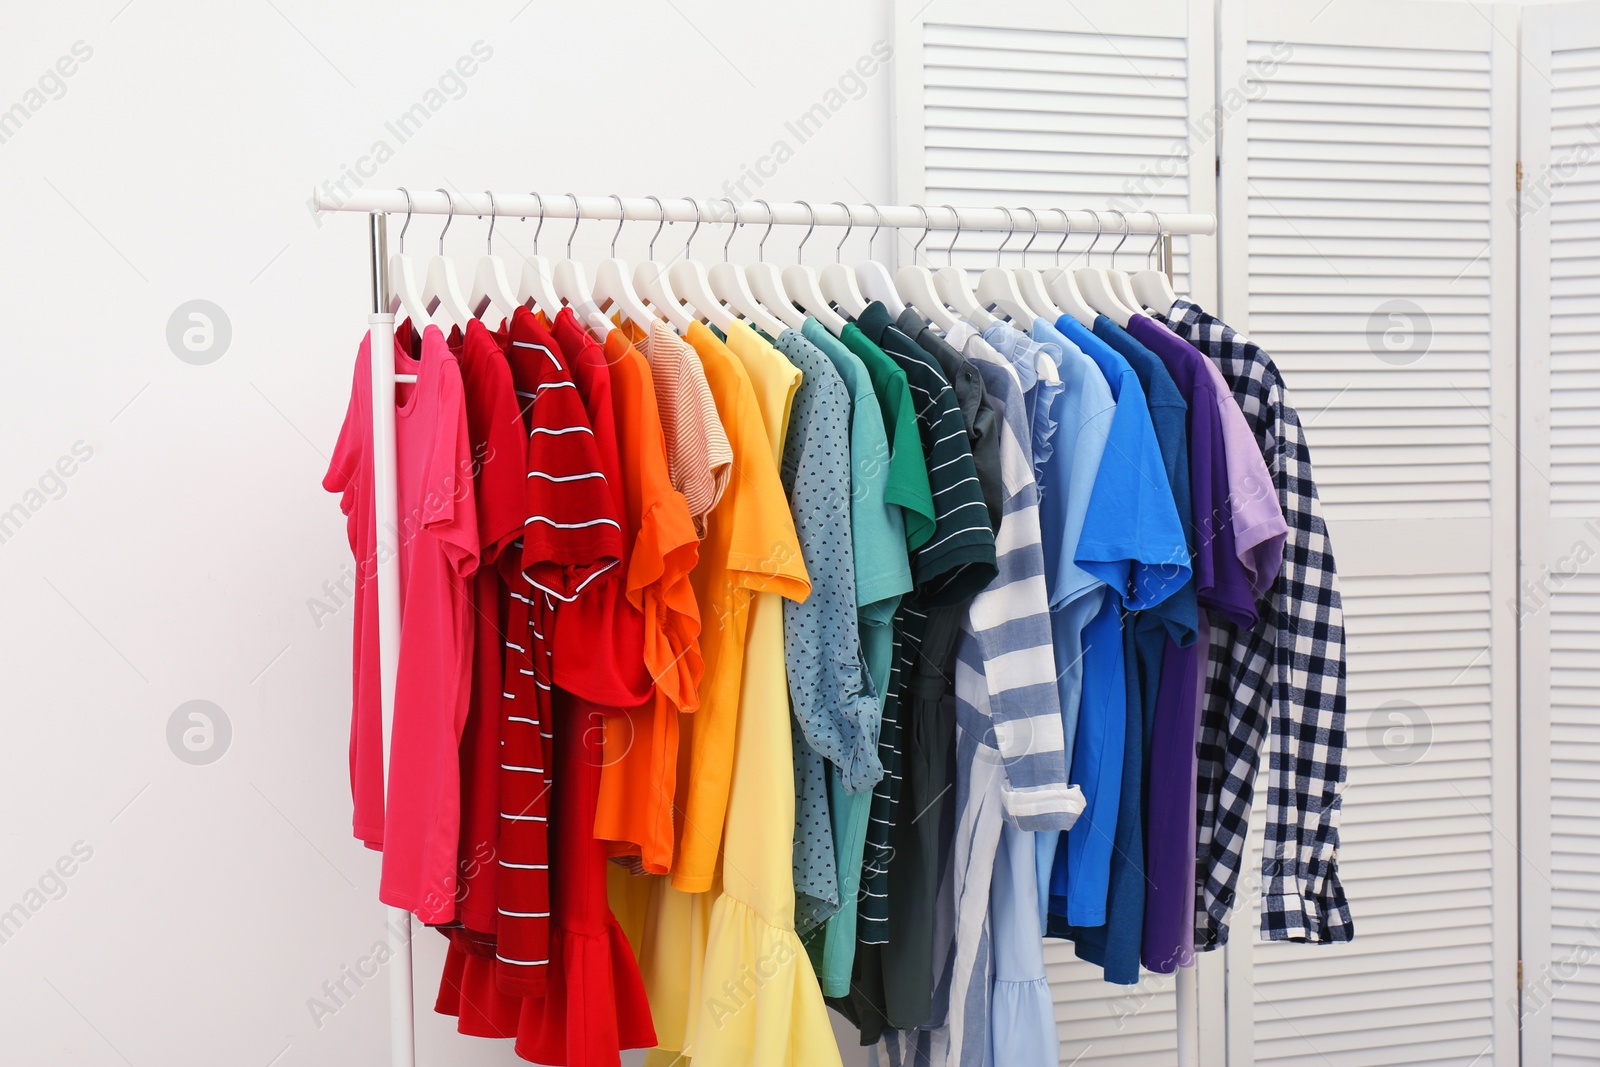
(377, 203)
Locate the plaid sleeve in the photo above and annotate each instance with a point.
(1285, 678)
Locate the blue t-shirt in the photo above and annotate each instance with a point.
(1134, 541)
(1116, 946)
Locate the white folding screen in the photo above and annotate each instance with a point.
(1366, 181)
(1560, 589)
(1368, 245)
(1041, 104)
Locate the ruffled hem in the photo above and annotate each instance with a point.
(1022, 1023)
(760, 999)
(594, 1004)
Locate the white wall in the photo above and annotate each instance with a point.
(177, 561)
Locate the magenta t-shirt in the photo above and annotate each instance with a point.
(437, 541)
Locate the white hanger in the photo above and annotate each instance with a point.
(997, 287)
(689, 280)
(491, 286)
(729, 284)
(405, 280)
(804, 287)
(955, 290)
(1096, 286)
(876, 281)
(572, 282)
(839, 281)
(916, 282)
(1031, 283)
(1063, 287)
(537, 289)
(1120, 281)
(650, 279)
(613, 291)
(441, 289)
(767, 283)
(1154, 287)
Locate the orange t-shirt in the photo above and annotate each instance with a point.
(750, 546)
(638, 777)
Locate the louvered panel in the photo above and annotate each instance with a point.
(1371, 166)
(1417, 843)
(1045, 118)
(1574, 991)
(1349, 208)
(1034, 103)
(1559, 601)
(1574, 203)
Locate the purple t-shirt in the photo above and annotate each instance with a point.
(1224, 585)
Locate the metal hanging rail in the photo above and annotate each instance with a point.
(799, 213)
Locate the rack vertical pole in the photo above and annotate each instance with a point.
(402, 1030)
(1186, 979)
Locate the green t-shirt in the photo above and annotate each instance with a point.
(907, 485)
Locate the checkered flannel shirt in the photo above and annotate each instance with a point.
(1285, 676)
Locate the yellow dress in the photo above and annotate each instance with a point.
(728, 979)
(760, 1002)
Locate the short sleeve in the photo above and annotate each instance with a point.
(502, 458)
(571, 530)
(449, 507)
(349, 452)
(1132, 537)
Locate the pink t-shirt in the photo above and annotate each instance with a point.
(438, 546)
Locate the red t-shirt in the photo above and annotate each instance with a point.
(438, 548)
(571, 536)
(609, 673)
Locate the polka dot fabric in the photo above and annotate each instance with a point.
(836, 712)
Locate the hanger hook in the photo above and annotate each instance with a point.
(661, 224)
(800, 252)
(1099, 228)
(916, 249)
(849, 224)
(733, 228)
(1066, 231)
(1150, 256)
(489, 241)
(577, 217)
(877, 224)
(621, 218)
(540, 228)
(690, 239)
(1011, 228)
(949, 248)
(761, 249)
(449, 218)
(1125, 232)
(407, 226)
(1032, 215)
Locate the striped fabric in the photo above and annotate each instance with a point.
(953, 564)
(570, 536)
(699, 457)
(1010, 621)
(1011, 757)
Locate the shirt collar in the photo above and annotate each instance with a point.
(874, 320)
